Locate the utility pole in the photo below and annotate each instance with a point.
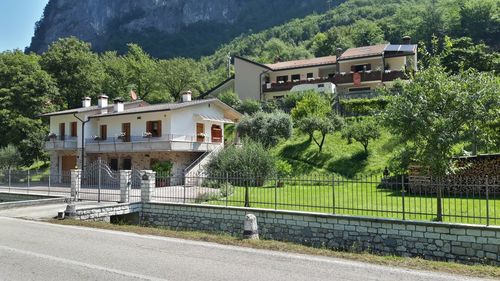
(83, 146)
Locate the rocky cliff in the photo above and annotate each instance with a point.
(165, 28)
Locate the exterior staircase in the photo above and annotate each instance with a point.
(194, 173)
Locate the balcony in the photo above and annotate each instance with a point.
(149, 144)
(393, 75)
(64, 143)
(368, 94)
(367, 76)
(287, 86)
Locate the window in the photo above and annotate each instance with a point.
(296, 77)
(154, 127)
(74, 127)
(62, 131)
(104, 132)
(127, 164)
(113, 164)
(310, 75)
(282, 79)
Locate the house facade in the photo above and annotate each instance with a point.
(355, 73)
(136, 135)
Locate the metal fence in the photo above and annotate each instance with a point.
(452, 199)
(35, 182)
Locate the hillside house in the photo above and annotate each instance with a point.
(135, 135)
(355, 73)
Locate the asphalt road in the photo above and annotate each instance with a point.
(40, 251)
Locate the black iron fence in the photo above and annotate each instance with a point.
(452, 199)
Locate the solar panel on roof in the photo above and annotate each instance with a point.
(407, 48)
(392, 48)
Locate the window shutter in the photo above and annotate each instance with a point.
(159, 128)
(149, 127)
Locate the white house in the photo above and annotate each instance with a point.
(135, 135)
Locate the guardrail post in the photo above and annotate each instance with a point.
(76, 182)
(148, 182)
(125, 185)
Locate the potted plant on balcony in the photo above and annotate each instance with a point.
(200, 137)
(97, 138)
(147, 135)
(51, 136)
(122, 136)
(163, 171)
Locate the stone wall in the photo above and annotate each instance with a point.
(104, 213)
(435, 241)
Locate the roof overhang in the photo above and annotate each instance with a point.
(203, 117)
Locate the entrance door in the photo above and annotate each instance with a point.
(68, 163)
(216, 133)
(62, 131)
(126, 130)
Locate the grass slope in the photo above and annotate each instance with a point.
(337, 157)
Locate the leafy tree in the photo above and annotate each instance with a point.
(230, 98)
(312, 104)
(116, 81)
(26, 91)
(251, 160)
(362, 131)
(10, 157)
(462, 54)
(75, 68)
(142, 71)
(323, 125)
(428, 114)
(366, 33)
(266, 128)
(180, 74)
(480, 20)
(250, 107)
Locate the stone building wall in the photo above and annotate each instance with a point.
(435, 241)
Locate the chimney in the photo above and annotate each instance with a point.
(86, 101)
(102, 101)
(406, 40)
(186, 96)
(118, 105)
(338, 52)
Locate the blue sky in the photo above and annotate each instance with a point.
(17, 22)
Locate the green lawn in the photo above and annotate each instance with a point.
(364, 199)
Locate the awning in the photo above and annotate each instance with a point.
(214, 119)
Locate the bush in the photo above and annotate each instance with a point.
(266, 128)
(230, 98)
(362, 131)
(250, 161)
(226, 189)
(362, 107)
(163, 167)
(249, 107)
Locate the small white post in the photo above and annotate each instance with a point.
(250, 228)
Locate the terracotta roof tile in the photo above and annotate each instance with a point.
(363, 51)
(303, 63)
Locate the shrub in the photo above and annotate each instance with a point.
(250, 161)
(361, 131)
(266, 128)
(10, 157)
(226, 189)
(163, 167)
(230, 98)
(362, 107)
(249, 107)
(283, 168)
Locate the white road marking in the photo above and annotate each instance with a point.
(81, 264)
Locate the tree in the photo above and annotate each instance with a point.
(366, 33)
(266, 128)
(462, 54)
(75, 68)
(428, 114)
(311, 104)
(116, 81)
(249, 107)
(26, 91)
(323, 125)
(142, 71)
(230, 98)
(10, 157)
(480, 20)
(361, 131)
(178, 75)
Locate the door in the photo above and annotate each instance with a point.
(200, 132)
(68, 163)
(216, 133)
(126, 130)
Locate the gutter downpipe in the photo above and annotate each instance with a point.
(83, 146)
(260, 83)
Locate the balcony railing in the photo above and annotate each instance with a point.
(169, 142)
(287, 86)
(358, 95)
(393, 75)
(365, 76)
(61, 143)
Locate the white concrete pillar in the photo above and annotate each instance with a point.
(125, 185)
(148, 183)
(76, 181)
(250, 228)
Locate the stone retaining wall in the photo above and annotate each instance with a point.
(105, 212)
(435, 241)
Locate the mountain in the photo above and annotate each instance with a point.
(165, 28)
